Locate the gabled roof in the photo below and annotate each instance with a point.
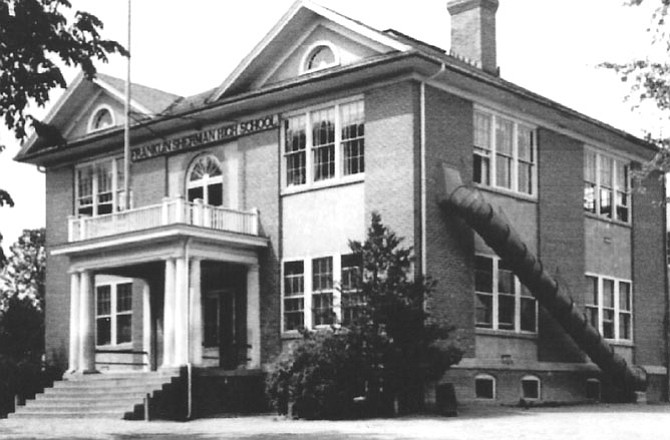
(151, 101)
(294, 20)
(146, 102)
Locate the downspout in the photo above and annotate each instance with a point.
(189, 367)
(424, 205)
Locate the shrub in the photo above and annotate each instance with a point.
(386, 350)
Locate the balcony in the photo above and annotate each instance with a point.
(174, 211)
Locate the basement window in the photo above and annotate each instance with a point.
(593, 389)
(530, 388)
(485, 387)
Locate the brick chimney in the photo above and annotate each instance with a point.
(473, 31)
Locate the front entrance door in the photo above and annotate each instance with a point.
(220, 335)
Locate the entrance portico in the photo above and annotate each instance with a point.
(168, 263)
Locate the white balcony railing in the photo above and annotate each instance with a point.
(170, 212)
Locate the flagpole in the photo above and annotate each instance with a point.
(126, 134)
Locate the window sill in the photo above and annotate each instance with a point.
(506, 192)
(610, 221)
(620, 342)
(122, 346)
(505, 333)
(330, 183)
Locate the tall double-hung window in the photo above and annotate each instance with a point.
(321, 291)
(114, 313)
(606, 186)
(325, 144)
(99, 187)
(504, 154)
(609, 306)
(501, 301)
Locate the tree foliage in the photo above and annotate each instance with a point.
(22, 319)
(35, 36)
(385, 349)
(23, 276)
(649, 79)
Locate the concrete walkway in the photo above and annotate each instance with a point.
(604, 422)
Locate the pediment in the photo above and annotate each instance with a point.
(307, 32)
(91, 107)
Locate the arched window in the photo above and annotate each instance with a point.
(530, 388)
(101, 118)
(485, 387)
(320, 55)
(205, 181)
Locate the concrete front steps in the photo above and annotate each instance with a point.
(112, 395)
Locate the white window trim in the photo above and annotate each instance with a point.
(483, 376)
(616, 307)
(113, 313)
(310, 51)
(94, 114)
(495, 323)
(515, 154)
(117, 187)
(338, 178)
(616, 158)
(309, 290)
(536, 379)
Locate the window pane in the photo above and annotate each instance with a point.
(124, 328)
(505, 279)
(482, 135)
(503, 171)
(624, 326)
(606, 164)
(124, 297)
(104, 300)
(481, 167)
(293, 278)
(215, 195)
(103, 331)
(483, 274)
(504, 133)
(528, 315)
(322, 309)
(322, 274)
(622, 206)
(323, 140)
(621, 175)
(294, 317)
(608, 293)
(590, 166)
(353, 143)
(591, 290)
(608, 323)
(605, 202)
(506, 312)
(294, 149)
(590, 197)
(624, 296)
(196, 193)
(525, 144)
(484, 310)
(294, 304)
(525, 178)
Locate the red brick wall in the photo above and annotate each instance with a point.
(649, 274)
(260, 177)
(561, 234)
(450, 245)
(391, 157)
(59, 204)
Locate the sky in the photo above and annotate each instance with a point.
(549, 47)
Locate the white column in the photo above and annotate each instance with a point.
(87, 323)
(195, 342)
(253, 317)
(168, 314)
(181, 312)
(146, 324)
(75, 286)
